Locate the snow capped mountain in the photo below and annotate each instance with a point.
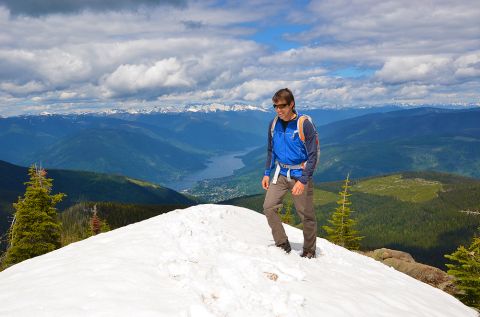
(219, 107)
(212, 260)
(214, 107)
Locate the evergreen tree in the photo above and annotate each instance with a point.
(35, 228)
(96, 224)
(466, 271)
(75, 223)
(286, 215)
(342, 229)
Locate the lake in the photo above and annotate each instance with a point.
(218, 166)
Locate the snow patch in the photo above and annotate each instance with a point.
(212, 260)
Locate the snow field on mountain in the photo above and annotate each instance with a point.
(212, 260)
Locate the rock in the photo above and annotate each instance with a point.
(384, 253)
(405, 263)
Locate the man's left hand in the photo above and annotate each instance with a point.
(298, 188)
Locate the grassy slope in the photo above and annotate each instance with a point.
(405, 189)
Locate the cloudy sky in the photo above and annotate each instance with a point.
(74, 55)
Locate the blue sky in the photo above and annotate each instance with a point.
(65, 56)
(274, 35)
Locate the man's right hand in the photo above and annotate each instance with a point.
(265, 182)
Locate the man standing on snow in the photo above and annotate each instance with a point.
(292, 155)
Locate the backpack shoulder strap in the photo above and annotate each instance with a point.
(272, 127)
(301, 134)
(300, 121)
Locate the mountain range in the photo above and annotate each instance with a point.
(153, 146)
(153, 149)
(410, 140)
(159, 152)
(165, 148)
(443, 140)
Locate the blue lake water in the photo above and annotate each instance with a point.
(218, 166)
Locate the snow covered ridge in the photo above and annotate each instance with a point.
(212, 260)
(214, 107)
(218, 107)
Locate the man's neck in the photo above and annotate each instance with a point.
(292, 117)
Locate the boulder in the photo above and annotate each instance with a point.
(405, 263)
(384, 253)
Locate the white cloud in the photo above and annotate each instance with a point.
(415, 68)
(414, 91)
(65, 95)
(53, 67)
(428, 51)
(127, 79)
(468, 66)
(369, 92)
(430, 69)
(22, 89)
(256, 90)
(329, 95)
(394, 21)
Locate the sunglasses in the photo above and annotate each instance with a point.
(280, 106)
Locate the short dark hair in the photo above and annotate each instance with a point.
(284, 94)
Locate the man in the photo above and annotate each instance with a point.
(294, 162)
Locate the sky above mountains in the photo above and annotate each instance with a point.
(71, 55)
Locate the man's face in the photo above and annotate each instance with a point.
(284, 110)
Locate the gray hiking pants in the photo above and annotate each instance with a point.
(303, 205)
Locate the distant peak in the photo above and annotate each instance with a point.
(213, 107)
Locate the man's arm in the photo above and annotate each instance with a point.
(270, 159)
(270, 163)
(311, 146)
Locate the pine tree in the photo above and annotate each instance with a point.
(35, 228)
(286, 215)
(96, 224)
(466, 271)
(342, 230)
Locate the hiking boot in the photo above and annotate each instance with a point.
(285, 246)
(308, 254)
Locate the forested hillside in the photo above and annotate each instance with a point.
(424, 213)
(82, 186)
